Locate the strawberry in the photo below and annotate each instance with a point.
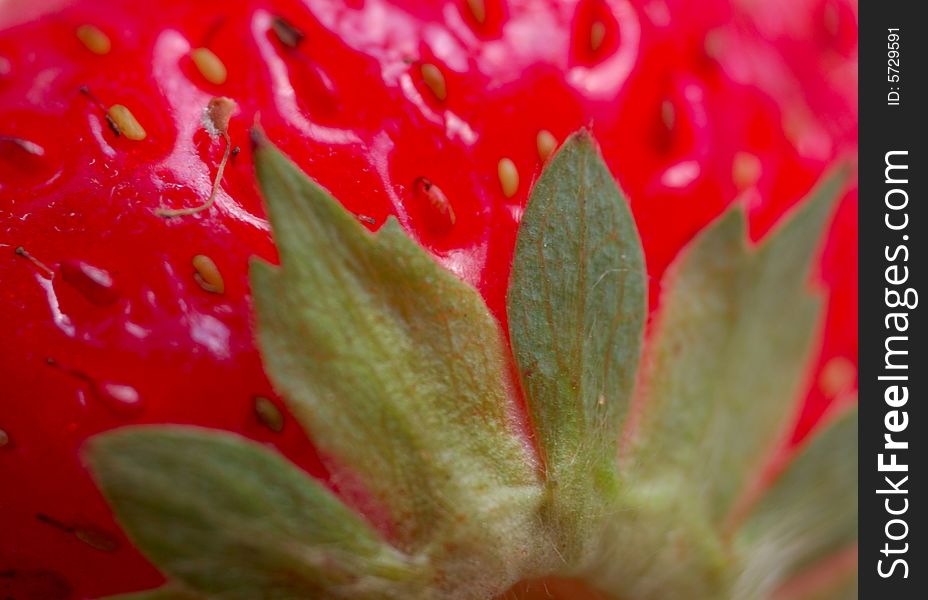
(126, 288)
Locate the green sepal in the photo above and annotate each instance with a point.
(728, 354)
(577, 305)
(398, 371)
(809, 513)
(228, 518)
(723, 365)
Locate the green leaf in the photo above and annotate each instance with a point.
(808, 514)
(576, 305)
(728, 355)
(398, 371)
(230, 519)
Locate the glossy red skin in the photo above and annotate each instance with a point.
(361, 122)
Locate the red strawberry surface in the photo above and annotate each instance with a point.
(104, 319)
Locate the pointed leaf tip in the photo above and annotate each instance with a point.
(728, 355)
(576, 305)
(397, 369)
(225, 516)
(257, 136)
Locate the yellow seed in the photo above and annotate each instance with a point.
(97, 538)
(95, 40)
(478, 9)
(126, 122)
(288, 35)
(4, 438)
(597, 35)
(207, 274)
(508, 177)
(268, 414)
(209, 65)
(745, 170)
(435, 81)
(714, 43)
(668, 114)
(837, 377)
(832, 19)
(546, 143)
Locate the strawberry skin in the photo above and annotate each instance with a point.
(124, 333)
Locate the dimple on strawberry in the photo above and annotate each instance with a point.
(128, 234)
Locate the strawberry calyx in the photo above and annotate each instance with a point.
(400, 374)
